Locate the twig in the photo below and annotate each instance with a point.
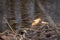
(9, 25)
(48, 17)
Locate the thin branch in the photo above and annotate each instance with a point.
(9, 25)
(47, 16)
